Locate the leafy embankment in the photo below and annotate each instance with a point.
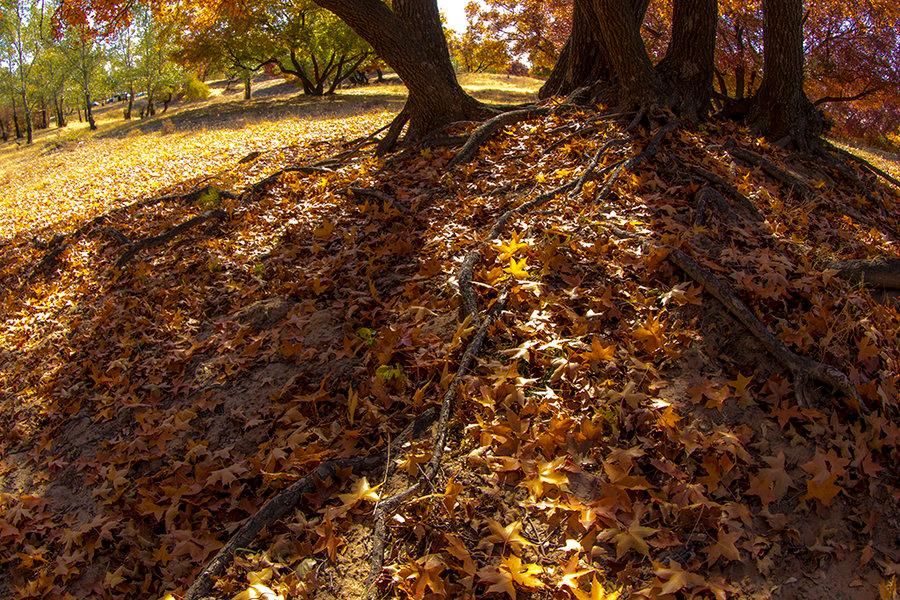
(620, 428)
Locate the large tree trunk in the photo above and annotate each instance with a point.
(584, 60)
(687, 69)
(637, 81)
(411, 40)
(780, 110)
(248, 82)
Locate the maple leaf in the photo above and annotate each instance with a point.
(508, 536)
(509, 249)
(598, 592)
(511, 572)
(227, 475)
(821, 486)
(517, 268)
(359, 492)
(633, 539)
(599, 352)
(258, 591)
(571, 573)
(724, 547)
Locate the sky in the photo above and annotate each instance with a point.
(455, 12)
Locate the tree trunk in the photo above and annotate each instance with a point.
(89, 112)
(3, 134)
(60, 111)
(780, 110)
(637, 81)
(29, 131)
(248, 91)
(687, 69)
(45, 122)
(130, 106)
(584, 59)
(411, 40)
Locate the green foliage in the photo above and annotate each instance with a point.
(194, 89)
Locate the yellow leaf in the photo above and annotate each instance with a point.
(509, 249)
(598, 592)
(518, 269)
(258, 591)
(324, 230)
(359, 492)
(508, 535)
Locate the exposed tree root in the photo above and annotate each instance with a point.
(370, 193)
(170, 234)
(865, 164)
(722, 186)
(804, 370)
(879, 272)
(395, 129)
(388, 506)
(489, 128)
(772, 170)
(280, 505)
(189, 197)
(711, 206)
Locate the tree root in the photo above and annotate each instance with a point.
(164, 237)
(284, 502)
(722, 186)
(771, 169)
(864, 164)
(489, 128)
(709, 204)
(879, 272)
(804, 370)
(389, 505)
(395, 129)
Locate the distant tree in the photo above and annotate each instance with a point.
(20, 31)
(477, 49)
(534, 30)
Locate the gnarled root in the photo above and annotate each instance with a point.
(803, 369)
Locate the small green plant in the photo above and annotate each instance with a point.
(367, 335)
(210, 199)
(388, 373)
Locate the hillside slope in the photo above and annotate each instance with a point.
(169, 367)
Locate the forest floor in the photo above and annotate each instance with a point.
(168, 364)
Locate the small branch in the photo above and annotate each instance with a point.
(169, 234)
(489, 128)
(804, 369)
(859, 96)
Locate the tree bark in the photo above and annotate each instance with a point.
(780, 110)
(621, 33)
(411, 40)
(687, 69)
(248, 83)
(15, 117)
(585, 60)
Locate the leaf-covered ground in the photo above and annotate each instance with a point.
(621, 431)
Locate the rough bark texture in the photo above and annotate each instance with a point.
(621, 33)
(781, 111)
(687, 69)
(584, 59)
(410, 39)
